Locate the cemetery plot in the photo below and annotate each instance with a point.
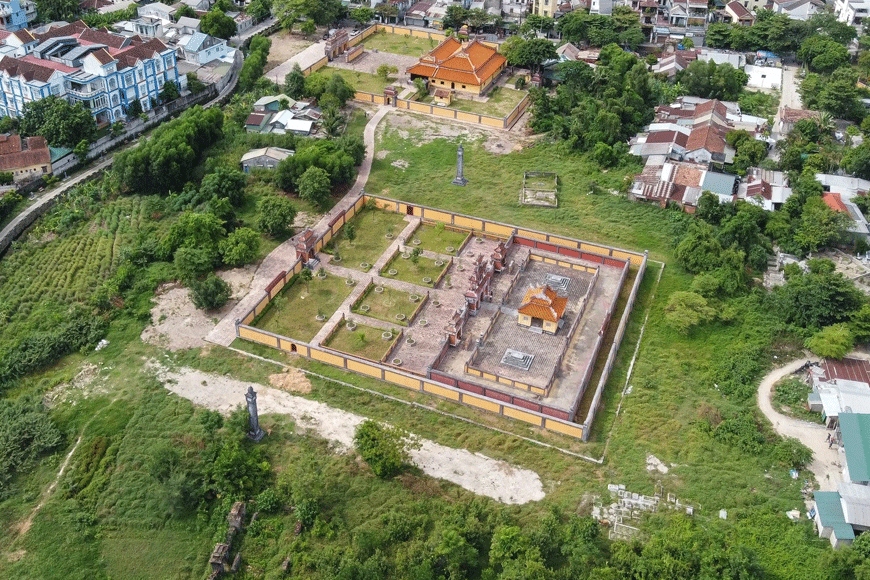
(540, 188)
(301, 309)
(387, 304)
(371, 232)
(425, 272)
(437, 238)
(360, 340)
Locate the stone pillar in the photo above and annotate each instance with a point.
(460, 157)
(255, 432)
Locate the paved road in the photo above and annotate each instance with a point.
(826, 461)
(283, 257)
(789, 97)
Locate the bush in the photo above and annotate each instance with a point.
(383, 448)
(792, 453)
(209, 294)
(791, 392)
(241, 247)
(276, 215)
(26, 431)
(268, 501)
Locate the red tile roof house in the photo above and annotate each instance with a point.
(470, 68)
(25, 159)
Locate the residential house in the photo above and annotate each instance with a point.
(839, 386)
(16, 14)
(198, 5)
(858, 226)
(545, 7)
(273, 104)
(418, 14)
(736, 13)
(288, 121)
(470, 68)
(763, 77)
(25, 159)
(201, 48)
(765, 188)
(673, 63)
(256, 122)
(157, 10)
(265, 158)
(830, 519)
(104, 71)
(735, 59)
(244, 22)
(852, 12)
(664, 181)
(512, 11)
(604, 7)
(798, 9)
(854, 434)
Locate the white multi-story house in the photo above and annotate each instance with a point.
(105, 72)
(852, 12)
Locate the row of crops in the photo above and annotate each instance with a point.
(66, 268)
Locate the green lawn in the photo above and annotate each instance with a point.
(501, 101)
(408, 271)
(397, 44)
(293, 312)
(435, 239)
(371, 239)
(387, 304)
(364, 341)
(360, 81)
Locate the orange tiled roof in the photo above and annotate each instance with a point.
(450, 61)
(833, 201)
(543, 303)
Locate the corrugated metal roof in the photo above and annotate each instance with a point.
(855, 431)
(856, 503)
(830, 512)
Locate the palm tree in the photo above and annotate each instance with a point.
(825, 122)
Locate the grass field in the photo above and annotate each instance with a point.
(435, 239)
(408, 271)
(371, 238)
(293, 312)
(387, 304)
(360, 81)
(364, 341)
(398, 44)
(500, 102)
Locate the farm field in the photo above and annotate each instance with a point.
(294, 311)
(387, 304)
(424, 273)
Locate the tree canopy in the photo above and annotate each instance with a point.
(218, 24)
(62, 124)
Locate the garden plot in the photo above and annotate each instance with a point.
(437, 238)
(301, 309)
(420, 271)
(360, 340)
(387, 304)
(372, 233)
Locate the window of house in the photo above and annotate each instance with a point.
(463, 86)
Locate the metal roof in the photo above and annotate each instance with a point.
(855, 431)
(856, 503)
(830, 512)
(719, 183)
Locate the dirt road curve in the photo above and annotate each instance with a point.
(472, 471)
(825, 465)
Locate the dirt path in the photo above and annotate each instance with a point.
(472, 471)
(826, 462)
(25, 524)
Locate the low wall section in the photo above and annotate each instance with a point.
(448, 113)
(439, 383)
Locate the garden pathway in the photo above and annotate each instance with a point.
(283, 257)
(826, 461)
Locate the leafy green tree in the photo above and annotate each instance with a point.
(308, 27)
(385, 70)
(241, 247)
(191, 263)
(712, 81)
(455, 551)
(252, 69)
(306, 277)
(814, 301)
(224, 183)
(860, 324)
(314, 186)
(686, 310)
(170, 91)
(81, 150)
(699, 250)
(294, 83)
(276, 214)
(339, 88)
(834, 341)
(386, 11)
(57, 10)
(184, 10)
(259, 9)
(61, 124)
(218, 24)
(383, 448)
(478, 18)
(194, 230)
(362, 15)
(822, 54)
(454, 17)
(819, 226)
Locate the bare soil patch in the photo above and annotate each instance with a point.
(425, 130)
(292, 380)
(83, 384)
(473, 471)
(285, 46)
(176, 324)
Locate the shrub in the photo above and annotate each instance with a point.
(241, 247)
(209, 294)
(276, 215)
(792, 453)
(268, 501)
(383, 448)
